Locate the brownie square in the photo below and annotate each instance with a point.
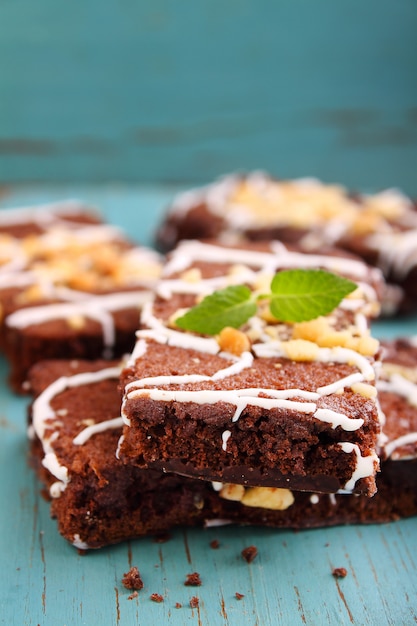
(71, 286)
(97, 500)
(295, 407)
(379, 227)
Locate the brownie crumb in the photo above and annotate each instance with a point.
(178, 605)
(132, 579)
(156, 597)
(162, 538)
(249, 553)
(239, 596)
(194, 602)
(339, 572)
(133, 595)
(215, 544)
(193, 580)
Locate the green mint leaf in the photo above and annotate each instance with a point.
(302, 295)
(232, 306)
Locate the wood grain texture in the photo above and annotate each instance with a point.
(174, 92)
(43, 580)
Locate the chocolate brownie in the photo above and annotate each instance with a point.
(381, 228)
(76, 426)
(272, 404)
(97, 500)
(37, 219)
(68, 288)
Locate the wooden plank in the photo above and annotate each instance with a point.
(184, 92)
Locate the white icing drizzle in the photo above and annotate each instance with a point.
(239, 397)
(365, 465)
(338, 385)
(43, 214)
(401, 386)
(407, 389)
(100, 427)
(324, 355)
(404, 440)
(98, 308)
(79, 543)
(225, 438)
(42, 413)
(338, 419)
(267, 262)
(397, 251)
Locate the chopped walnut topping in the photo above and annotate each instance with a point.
(365, 390)
(271, 498)
(76, 322)
(192, 275)
(300, 350)
(320, 332)
(232, 492)
(233, 341)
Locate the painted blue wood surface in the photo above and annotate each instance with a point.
(184, 91)
(44, 581)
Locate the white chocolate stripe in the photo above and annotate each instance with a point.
(213, 396)
(340, 384)
(191, 251)
(404, 440)
(401, 386)
(225, 438)
(42, 411)
(324, 355)
(98, 308)
(100, 427)
(338, 419)
(246, 360)
(365, 465)
(42, 214)
(181, 340)
(244, 397)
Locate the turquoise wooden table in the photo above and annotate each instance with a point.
(45, 581)
(186, 91)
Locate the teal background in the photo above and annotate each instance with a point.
(180, 92)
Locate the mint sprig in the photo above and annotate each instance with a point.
(232, 306)
(302, 295)
(296, 296)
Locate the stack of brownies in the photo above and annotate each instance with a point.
(225, 383)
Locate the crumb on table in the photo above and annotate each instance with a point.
(339, 572)
(249, 553)
(194, 602)
(193, 580)
(132, 579)
(156, 597)
(133, 595)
